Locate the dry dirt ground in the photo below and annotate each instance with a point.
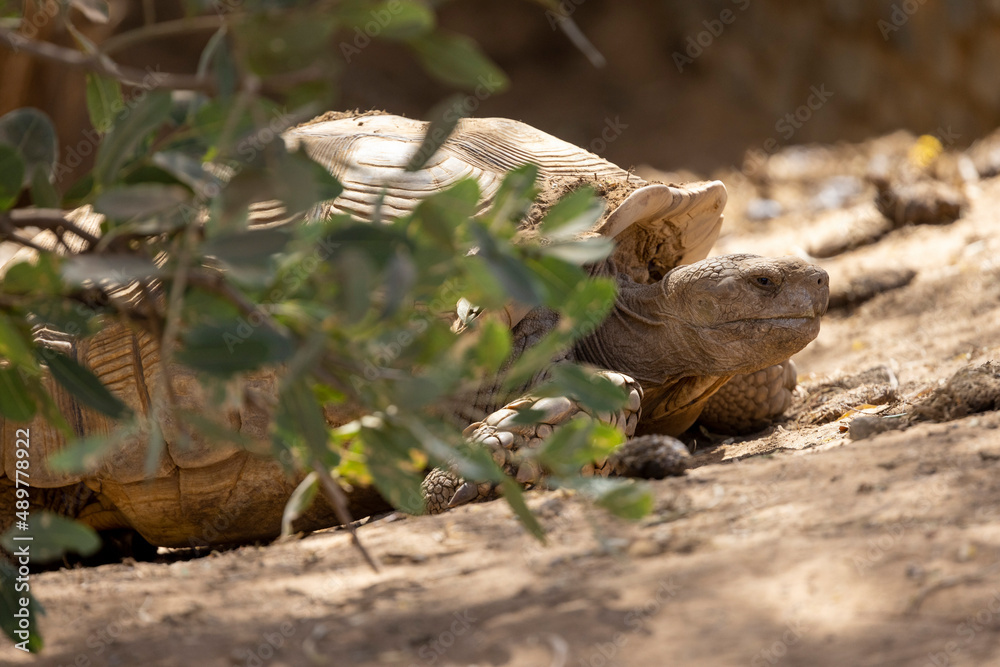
(807, 544)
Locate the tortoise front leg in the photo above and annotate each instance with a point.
(504, 438)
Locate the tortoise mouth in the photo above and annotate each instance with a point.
(784, 322)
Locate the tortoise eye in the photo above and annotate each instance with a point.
(764, 281)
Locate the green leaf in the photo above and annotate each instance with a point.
(39, 277)
(444, 116)
(16, 345)
(52, 536)
(108, 270)
(104, 101)
(568, 448)
(441, 214)
(592, 390)
(400, 276)
(392, 19)
(458, 61)
(584, 251)
(146, 199)
(305, 183)
(32, 134)
(215, 431)
(387, 455)
(16, 403)
(356, 280)
(10, 604)
(131, 130)
(494, 346)
(43, 194)
(83, 384)
(303, 414)
(293, 179)
(588, 304)
(85, 454)
(218, 56)
(377, 243)
(64, 315)
(301, 499)
(624, 498)
(277, 42)
(576, 212)
(11, 176)
(468, 461)
(514, 496)
(47, 408)
(513, 199)
(78, 193)
(517, 280)
(250, 247)
(225, 348)
(189, 171)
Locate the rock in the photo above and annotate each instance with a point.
(967, 392)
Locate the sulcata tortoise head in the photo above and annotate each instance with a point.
(682, 327)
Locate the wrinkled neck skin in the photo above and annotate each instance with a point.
(643, 338)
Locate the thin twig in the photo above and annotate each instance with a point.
(103, 65)
(51, 219)
(157, 30)
(148, 79)
(339, 501)
(216, 283)
(7, 234)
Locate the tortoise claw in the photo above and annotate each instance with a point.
(465, 494)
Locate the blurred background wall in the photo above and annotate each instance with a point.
(687, 84)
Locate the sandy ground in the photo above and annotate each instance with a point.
(801, 545)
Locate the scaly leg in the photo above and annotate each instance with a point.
(751, 402)
(504, 438)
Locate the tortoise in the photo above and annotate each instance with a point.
(682, 327)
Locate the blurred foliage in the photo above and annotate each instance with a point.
(348, 313)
